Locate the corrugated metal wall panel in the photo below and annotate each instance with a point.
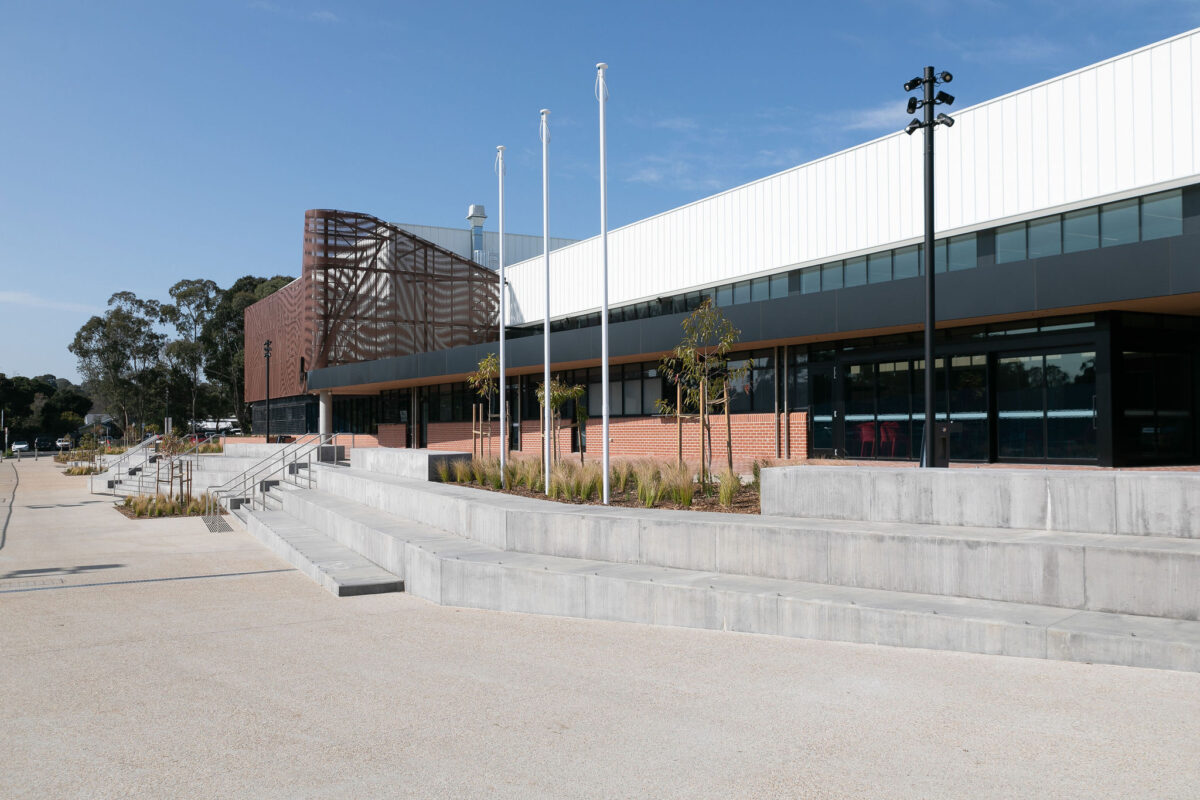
(1117, 127)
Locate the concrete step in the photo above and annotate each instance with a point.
(1146, 576)
(452, 570)
(1137, 502)
(339, 569)
(273, 498)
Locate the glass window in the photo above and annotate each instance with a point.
(1162, 215)
(860, 410)
(1119, 223)
(1010, 243)
(779, 285)
(879, 267)
(794, 282)
(969, 407)
(831, 276)
(939, 256)
(652, 389)
(725, 295)
(633, 389)
(764, 381)
(1020, 410)
(740, 390)
(1071, 405)
(741, 292)
(810, 280)
(1081, 230)
(855, 272)
(894, 419)
(962, 252)
(797, 373)
(760, 289)
(905, 262)
(595, 400)
(1045, 237)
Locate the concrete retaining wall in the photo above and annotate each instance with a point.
(1100, 573)
(421, 464)
(1119, 502)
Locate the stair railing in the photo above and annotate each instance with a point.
(167, 466)
(126, 458)
(249, 485)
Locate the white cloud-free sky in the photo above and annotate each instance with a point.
(146, 142)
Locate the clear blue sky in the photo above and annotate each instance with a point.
(145, 142)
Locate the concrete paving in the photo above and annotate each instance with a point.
(125, 672)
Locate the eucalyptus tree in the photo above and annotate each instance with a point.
(119, 353)
(223, 339)
(699, 366)
(194, 302)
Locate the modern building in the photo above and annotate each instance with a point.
(1068, 285)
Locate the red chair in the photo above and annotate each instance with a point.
(889, 434)
(866, 438)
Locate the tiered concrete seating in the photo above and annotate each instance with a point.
(1075, 595)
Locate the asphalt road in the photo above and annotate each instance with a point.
(156, 659)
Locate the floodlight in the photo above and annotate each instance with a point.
(942, 97)
(913, 84)
(914, 125)
(912, 105)
(945, 120)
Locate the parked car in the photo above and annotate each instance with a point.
(43, 443)
(23, 446)
(64, 443)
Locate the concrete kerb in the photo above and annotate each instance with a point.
(1135, 575)
(1130, 503)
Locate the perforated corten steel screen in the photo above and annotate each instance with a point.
(368, 290)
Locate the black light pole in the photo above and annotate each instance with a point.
(267, 356)
(929, 80)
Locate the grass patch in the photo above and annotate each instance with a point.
(730, 482)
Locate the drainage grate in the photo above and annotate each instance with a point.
(216, 524)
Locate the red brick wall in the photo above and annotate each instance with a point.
(393, 435)
(753, 437)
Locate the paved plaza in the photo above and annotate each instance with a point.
(157, 659)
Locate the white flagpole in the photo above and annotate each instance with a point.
(503, 323)
(602, 97)
(545, 134)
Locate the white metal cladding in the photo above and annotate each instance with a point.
(1121, 127)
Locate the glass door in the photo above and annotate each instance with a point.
(1046, 407)
(825, 426)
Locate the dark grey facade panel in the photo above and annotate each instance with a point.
(1104, 275)
(1185, 264)
(1129, 272)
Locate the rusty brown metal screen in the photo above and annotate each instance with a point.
(379, 291)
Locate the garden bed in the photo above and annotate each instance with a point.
(644, 483)
(159, 506)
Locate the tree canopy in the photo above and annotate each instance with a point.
(143, 360)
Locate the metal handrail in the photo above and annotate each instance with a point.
(248, 483)
(137, 449)
(174, 458)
